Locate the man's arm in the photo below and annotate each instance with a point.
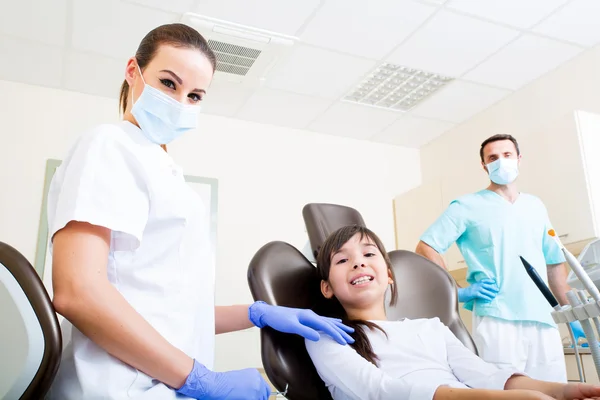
(436, 240)
(431, 254)
(557, 280)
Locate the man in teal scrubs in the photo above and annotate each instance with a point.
(512, 325)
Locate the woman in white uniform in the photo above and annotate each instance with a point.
(131, 267)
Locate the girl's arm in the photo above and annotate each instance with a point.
(561, 391)
(85, 297)
(523, 382)
(448, 393)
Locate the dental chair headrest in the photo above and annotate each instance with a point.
(322, 219)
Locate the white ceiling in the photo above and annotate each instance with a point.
(490, 47)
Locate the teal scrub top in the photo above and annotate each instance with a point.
(491, 233)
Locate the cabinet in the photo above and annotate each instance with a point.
(559, 165)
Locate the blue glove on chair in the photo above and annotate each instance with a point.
(299, 321)
(485, 290)
(578, 332)
(243, 384)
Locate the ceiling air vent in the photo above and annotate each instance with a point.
(245, 55)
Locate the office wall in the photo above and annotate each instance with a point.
(266, 175)
(575, 85)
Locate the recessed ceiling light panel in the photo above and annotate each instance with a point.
(396, 87)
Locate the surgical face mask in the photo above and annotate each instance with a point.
(503, 171)
(160, 117)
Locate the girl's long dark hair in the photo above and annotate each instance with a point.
(332, 307)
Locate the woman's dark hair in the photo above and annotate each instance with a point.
(332, 307)
(178, 35)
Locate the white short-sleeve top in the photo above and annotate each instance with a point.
(159, 255)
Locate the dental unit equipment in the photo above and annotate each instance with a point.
(581, 308)
(537, 279)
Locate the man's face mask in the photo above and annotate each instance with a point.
(503, 171)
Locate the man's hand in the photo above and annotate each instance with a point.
(485, 290)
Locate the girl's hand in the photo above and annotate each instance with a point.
(579, 391)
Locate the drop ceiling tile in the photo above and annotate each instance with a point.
(281, 16)
(176, 6)
(369, 29)
(451, 44)
(39, 20)
(25, 65)
(318, 72)
(352, 120)
(577, 22)
(113, 28)
(459, 101)
(276, 107)
(522, 61)
(518, 13)
(94, 74)
(410, 131)
(225, 98)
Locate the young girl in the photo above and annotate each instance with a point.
(407, 359)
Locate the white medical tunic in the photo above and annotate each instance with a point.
(416, 357)
(159, 255)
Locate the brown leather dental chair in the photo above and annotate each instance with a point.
(30, 338)
(279, 274)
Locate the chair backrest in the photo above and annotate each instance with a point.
(425, 290)
(30, 338)
(280, 275)
(321, 219)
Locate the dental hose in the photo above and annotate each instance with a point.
(585, 300)
(576, 350)
(587, 330)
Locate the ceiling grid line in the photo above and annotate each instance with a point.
(68, 41)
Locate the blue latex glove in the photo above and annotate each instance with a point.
(299, 321)
(245, 384)
(578, 332)
(485, 290)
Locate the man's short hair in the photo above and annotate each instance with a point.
(497, 138)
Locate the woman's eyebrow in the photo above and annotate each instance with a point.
(174, 75)
(180, 81)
